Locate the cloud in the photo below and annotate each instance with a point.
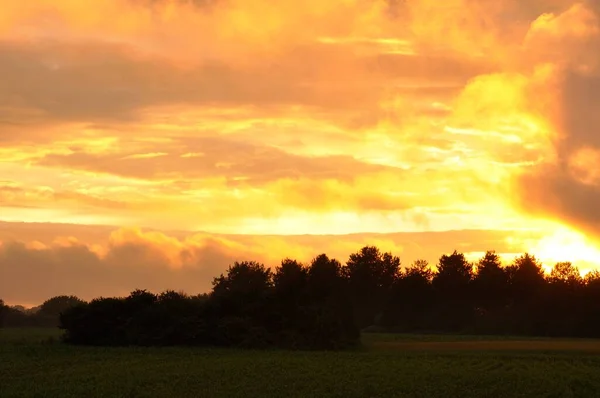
(565, 186)
(216, 157)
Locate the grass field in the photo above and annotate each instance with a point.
(34, 364)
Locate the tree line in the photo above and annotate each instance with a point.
(325, 304)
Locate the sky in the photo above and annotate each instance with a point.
(151, 143)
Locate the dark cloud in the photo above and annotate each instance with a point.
(580, 102)
(31, 275)
(554, 190)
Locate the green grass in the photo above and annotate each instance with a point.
(32, 364)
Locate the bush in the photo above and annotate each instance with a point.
(245, 309)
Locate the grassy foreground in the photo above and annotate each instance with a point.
(34, 364)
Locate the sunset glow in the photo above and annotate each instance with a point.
(178, 135)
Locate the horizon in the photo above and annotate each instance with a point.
(156, 142)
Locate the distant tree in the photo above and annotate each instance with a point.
(563, 309)
(566, 273)
(330, 319)
(58, 304)
(371, 275)
(290, 279)
(140, 299)
(526, 291)
(590, 305)
(526, 276)
(490, 290)
(526, 272)
(49, 312)
(239, 302)
(452, 284)
(290, 301)
(290, 282)
(410, 303)
(490, 281)
(245, 283)
(324, 277)
(3, 309)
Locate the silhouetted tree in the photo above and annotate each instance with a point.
(563, 301)
(290, 280)
(526, 286)
(239, 300)
(490, 290)
(590, 305)
(410, 303)
(452, 284)
(324, 277)
(490, 282)
(290, 297)
(3, 309)
(49, 312)
(371, 275)
(526, 277)
(330, 322)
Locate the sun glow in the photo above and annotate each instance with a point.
(568, 245)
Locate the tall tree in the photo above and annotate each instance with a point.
(3, 309)
(490, 293)
(563, 299)
(290, 300)
(49, 312)
(490, 282)
(371, 275)
(290, 279)
(245, 285)
(324, 277)
(526, 277)
(590, 325)
(566, 273)
(526, 285)
(331, 322)
(410, 303)
(452, 284)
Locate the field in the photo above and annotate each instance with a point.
(34, 364)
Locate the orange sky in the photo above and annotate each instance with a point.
(195, 126)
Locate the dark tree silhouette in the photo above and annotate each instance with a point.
(452, 284)
(490, 290)
(490, 282)
(248, 307)
(324, 277)
(3, 309)
(411, 300)
(563, 301)
(49, 312)
(590, 305)
(330, 322)
(371, 275)
(526, 285)
(239, 299)
(291, 300)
